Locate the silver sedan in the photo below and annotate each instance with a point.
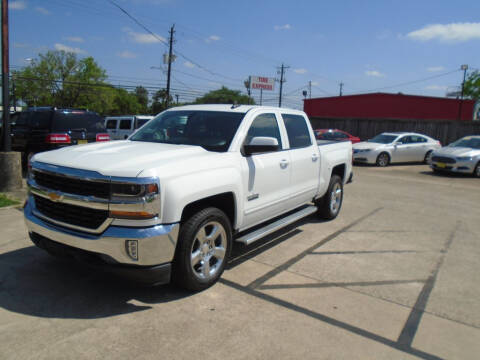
(462, 156)
(393, 147)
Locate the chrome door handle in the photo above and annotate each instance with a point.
(314, 157)
(283, 163)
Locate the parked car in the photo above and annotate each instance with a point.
(47, 128)
(169, 201)
(335, 135)
(121, 127)
(393, 147)
(462, 156)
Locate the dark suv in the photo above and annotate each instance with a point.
(47, 128)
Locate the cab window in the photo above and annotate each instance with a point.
(125, 124)
(264, 125)
(111, 124)
(297, 131)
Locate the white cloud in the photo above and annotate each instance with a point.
(144, 38)
(435, 68)
(374, 73)
(127, 55)
(212, 38)
(188, 64)
(21, 45)
(17, 5)
(282, 27)
(315, 83)
(454, 32)
(300, 71)
(77, 39)
(69, 49)
(42, 10)
(436, 87)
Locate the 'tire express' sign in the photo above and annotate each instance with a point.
(264, 83)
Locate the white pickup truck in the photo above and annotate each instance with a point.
(168, 202)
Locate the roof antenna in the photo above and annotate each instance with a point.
(235, 104)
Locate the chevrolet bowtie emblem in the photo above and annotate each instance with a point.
(55, 197)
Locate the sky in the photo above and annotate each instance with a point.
(413, 47)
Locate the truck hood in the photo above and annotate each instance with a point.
(120, 158)
(457, 151)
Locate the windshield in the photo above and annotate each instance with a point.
(383, 139)
(469, 142)
(212, 130)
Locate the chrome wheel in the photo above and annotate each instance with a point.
(208, 251)
(477, 171)
(336, 198)
(383, 159)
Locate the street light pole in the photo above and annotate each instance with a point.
(7, 144)
(464, 68)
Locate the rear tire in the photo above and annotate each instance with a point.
(330, 204)
(428, 157)
(204, 244)
(383, 159)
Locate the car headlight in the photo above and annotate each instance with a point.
(134, 201)
(464, 158)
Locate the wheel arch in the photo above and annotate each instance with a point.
(224, 201)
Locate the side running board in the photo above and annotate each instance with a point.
(270, 228)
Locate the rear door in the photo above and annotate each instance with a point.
(266, 175)
(111, 125)
(305, 159)
(125, 128)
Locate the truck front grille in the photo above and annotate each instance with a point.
(70, 185)
(71, 214)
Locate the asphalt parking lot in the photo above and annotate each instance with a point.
(395, 276)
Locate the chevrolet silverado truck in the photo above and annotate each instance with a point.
(168, 202)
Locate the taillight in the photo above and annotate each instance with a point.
(103, 137)
(58, 139)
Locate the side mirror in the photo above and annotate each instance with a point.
(260, 144)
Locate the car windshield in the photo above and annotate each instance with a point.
(383, 139)
(469, 142)
(212, 130)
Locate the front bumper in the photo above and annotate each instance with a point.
(464, 167)
(156, 244)
(369, 157)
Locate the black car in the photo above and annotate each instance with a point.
(47, 128)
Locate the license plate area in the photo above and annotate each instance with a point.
(441, 165)
(82, 142)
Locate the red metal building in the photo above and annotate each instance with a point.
(390, 106)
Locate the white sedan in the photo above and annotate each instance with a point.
(393, 147)
(462, 156)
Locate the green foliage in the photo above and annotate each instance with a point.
(224, 96)
(472, 86)
(125, 103)
(142, 98)
(4, 201)
(159, 101)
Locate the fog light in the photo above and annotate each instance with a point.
(132, 249)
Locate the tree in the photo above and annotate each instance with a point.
(125, 103)
(224, 96)
(472, 86)
(142, 97)
(159, 101)
(59, 78)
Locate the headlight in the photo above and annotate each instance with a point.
(464, 158)
(134, 201)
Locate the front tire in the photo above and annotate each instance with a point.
(330, 204)
(204, 244)
(383, 159)
(476, 172)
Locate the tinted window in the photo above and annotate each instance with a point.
(405, 140)
(125, 124)
(340, 135)
(141, 122)
(111, 124)
(40, 119)
(297, 131)
(212, 130)
(468, 142)
(75, 120)
(414, 139)
(264, 125)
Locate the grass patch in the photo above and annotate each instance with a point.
(4, 201)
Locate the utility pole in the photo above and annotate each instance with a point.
(282, 80)
(7, 144)
(310, 89)
(464, 68)
(169, 71)
(261, 96)
(176, 95)
(341, 88)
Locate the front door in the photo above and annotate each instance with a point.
(266, 176)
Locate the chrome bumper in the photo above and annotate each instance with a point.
(458, 167)
(156, 244)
